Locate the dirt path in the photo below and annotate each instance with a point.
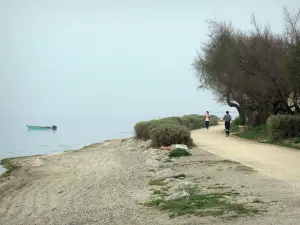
(278, 162)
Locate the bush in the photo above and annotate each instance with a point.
(283, 126)
(194, 121)
(173, 119)
(214, 120)
(168, 134)
(236, 121)
(178, 152)
(142, 129)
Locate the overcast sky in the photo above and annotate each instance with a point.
(118, 57)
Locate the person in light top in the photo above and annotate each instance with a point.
(207, 119)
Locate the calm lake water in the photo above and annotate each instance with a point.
(72, 133)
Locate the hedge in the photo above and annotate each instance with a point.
(168, 134)
(194, 121)
(147, 130)
(142, 129)
(283, 126)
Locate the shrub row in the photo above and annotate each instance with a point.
(194, 121)
(171, 130)
(283, 126)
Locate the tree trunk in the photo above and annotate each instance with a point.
(249, 115)
(242, 115)
(237, 106)
(263, 113)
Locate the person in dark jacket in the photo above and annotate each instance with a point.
(227, 119)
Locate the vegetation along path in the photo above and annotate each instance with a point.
(279, 162)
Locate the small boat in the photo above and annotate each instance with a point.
(41, 127)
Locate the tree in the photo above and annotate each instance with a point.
(250, 71)
(292, 55)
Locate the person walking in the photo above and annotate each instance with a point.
(227, 119)
(207, 119)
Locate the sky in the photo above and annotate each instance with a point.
(113, 58)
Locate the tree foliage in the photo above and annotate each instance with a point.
(256, 71)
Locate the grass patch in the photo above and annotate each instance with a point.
(179, 176)
(260, 134)
(9, 165)
(214, 204)
(158, 182)
(287, 144)
(179, 152)
(218, 187)
(296, 140)
(159, 192)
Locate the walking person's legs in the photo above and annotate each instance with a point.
(227, 128)
(206, 124)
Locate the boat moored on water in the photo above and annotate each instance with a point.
(41, 127)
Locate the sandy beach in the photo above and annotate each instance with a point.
(110, 183)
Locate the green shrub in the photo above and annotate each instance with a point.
(214, 120)
(296, 140)
(236, 121)
(283, 126)
(160, 122)
(178, 152)
(178, 126)
(172, 119)
(193, 121)
(167, 134)
(187, 123)
(142, 129)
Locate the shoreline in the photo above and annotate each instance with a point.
(2, 169)
(11, 164)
